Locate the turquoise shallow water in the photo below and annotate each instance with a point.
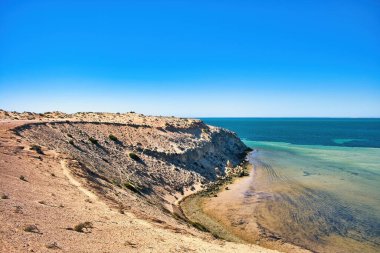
(319, 189)
(305, 131)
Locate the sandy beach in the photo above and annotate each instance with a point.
(228, 215)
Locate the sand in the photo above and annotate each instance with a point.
(228, 215)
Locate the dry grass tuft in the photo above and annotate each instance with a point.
(32, 229)
(53, 245)
(23, 178)
(83, 227)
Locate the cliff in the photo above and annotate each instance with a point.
(153, 154)
(118, 173)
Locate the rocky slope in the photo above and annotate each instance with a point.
(131, 163)
(151, 156)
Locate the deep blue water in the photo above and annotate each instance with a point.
(305, 131)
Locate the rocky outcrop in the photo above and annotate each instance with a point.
(150, 156)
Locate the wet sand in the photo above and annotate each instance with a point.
(230, 215)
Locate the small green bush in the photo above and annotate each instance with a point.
(132, 187)
(71, 142)
(4, 196)
(69, 135)
(113, 138)
(37, 149)
(134, 156)
(93, 141)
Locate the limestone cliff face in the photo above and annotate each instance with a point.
(150, 155)
(57, 175)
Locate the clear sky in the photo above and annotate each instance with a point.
(192, 58)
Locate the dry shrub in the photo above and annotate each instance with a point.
(83, 227)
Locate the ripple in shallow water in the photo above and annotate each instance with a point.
(312, 213)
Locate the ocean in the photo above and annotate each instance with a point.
(317, 180)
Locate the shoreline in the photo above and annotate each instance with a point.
(214, 210)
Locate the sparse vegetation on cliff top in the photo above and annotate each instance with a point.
(134, 156)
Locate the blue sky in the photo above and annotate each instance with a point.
(192, 58)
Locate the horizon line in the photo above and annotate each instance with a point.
(211, 117)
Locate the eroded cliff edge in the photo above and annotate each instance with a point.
(116, 174)
(135, 158)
